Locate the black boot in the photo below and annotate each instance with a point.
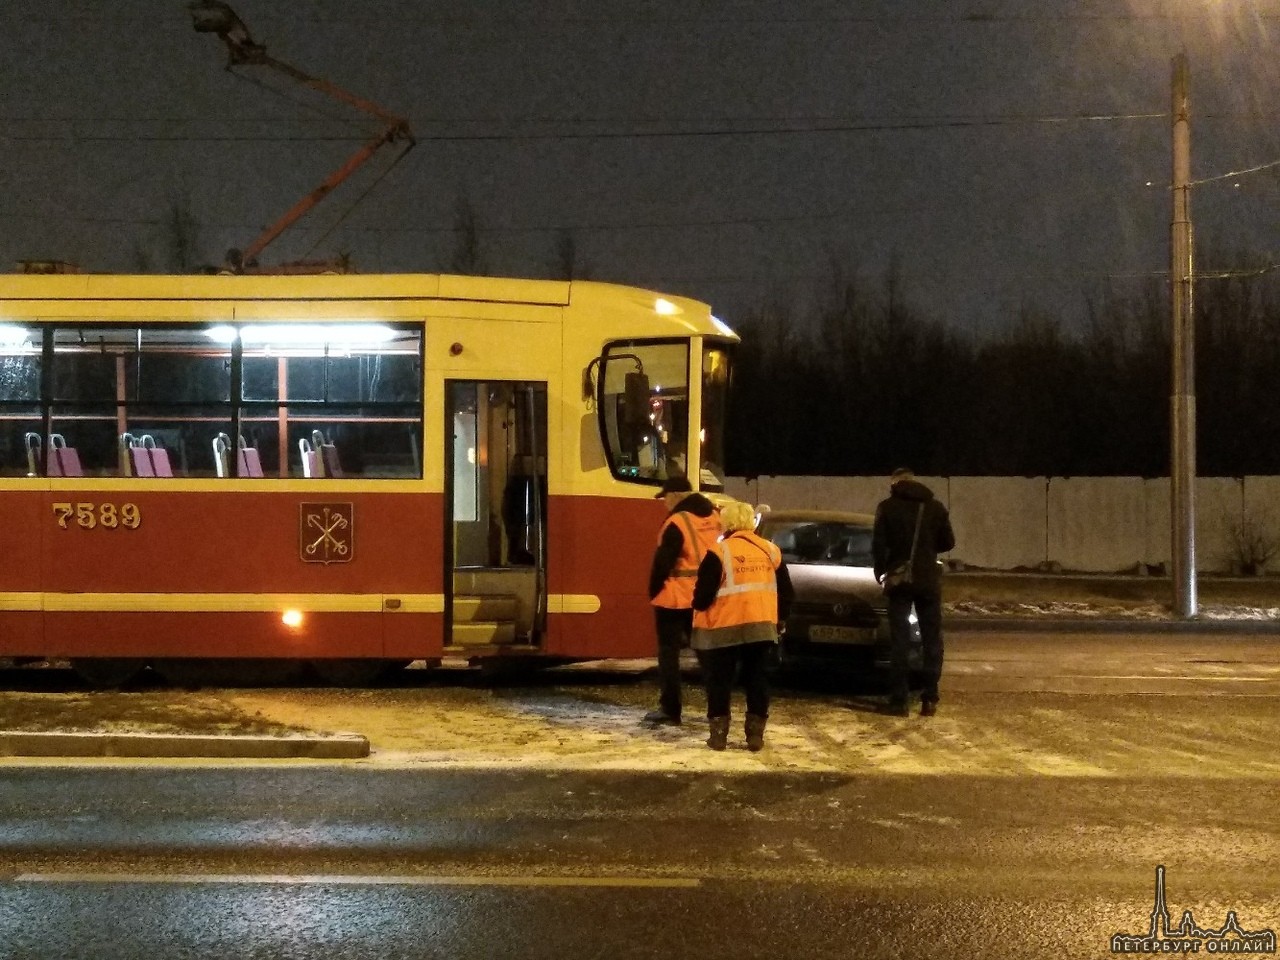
(719, 738)
(753, 727)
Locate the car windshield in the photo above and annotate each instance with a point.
(820, 541)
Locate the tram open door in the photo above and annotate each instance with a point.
(496, 506)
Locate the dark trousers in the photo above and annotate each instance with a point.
(929, 614)
(719, 667)
(674, 628)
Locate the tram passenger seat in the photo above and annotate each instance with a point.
(221, 450)
(35, 454)
(326, 456)
(248, 463)
(249, 460)
(63, 460)
(329, 453)
(157, 457)
(312, 466)
(134, 461)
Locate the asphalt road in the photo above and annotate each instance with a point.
(292, 863)
(1130, 662)
(1028, 818)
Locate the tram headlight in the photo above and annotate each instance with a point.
(292, 619)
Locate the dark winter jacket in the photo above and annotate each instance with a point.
(672, 543)
(895, 524)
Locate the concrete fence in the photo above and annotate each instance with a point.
(1094, 524)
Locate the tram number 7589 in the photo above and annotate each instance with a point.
(90, 515)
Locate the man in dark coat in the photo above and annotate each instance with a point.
(911, 505)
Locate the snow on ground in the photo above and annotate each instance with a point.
(596, 726)
(549, 728)
(1075, 610)
(588, 717)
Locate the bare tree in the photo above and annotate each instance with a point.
(175, 246)
(1252, 541)
(138, 257)
(469, 258)
(565, 260)
(181, 237)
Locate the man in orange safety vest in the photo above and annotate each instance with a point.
(689, 531)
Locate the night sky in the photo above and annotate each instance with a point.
(1002, 153)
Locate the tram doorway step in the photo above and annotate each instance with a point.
(485, 620)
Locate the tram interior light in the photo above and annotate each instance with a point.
(305, 334)
(12, 335)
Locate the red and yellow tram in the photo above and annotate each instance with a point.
(355, 471)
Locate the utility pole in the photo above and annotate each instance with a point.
(1182, 402)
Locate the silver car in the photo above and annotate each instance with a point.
(839, 611)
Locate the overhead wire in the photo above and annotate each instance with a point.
(815, 126)
(789, 117)
(357, 200)
(738, 19)
(1235, 173)
(296, 101)
(849, 126)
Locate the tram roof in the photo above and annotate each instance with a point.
(350, 286)
(35, 288)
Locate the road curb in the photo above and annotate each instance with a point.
(1058, 625)
(328, 747)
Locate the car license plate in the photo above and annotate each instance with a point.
(822, 633)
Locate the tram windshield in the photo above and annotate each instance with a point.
(715, 396)
(646, 415)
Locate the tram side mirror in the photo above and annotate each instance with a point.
(637, 400)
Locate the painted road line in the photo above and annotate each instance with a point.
(405, 880)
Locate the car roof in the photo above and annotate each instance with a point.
(818, 516)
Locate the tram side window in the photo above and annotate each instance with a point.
(83, 412)
(114, 390)
(349, 399)
(113, 386)
(178, 392)
(20, 415)
(644, 409)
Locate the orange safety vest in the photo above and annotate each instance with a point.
(700, 535)
(748, 591)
